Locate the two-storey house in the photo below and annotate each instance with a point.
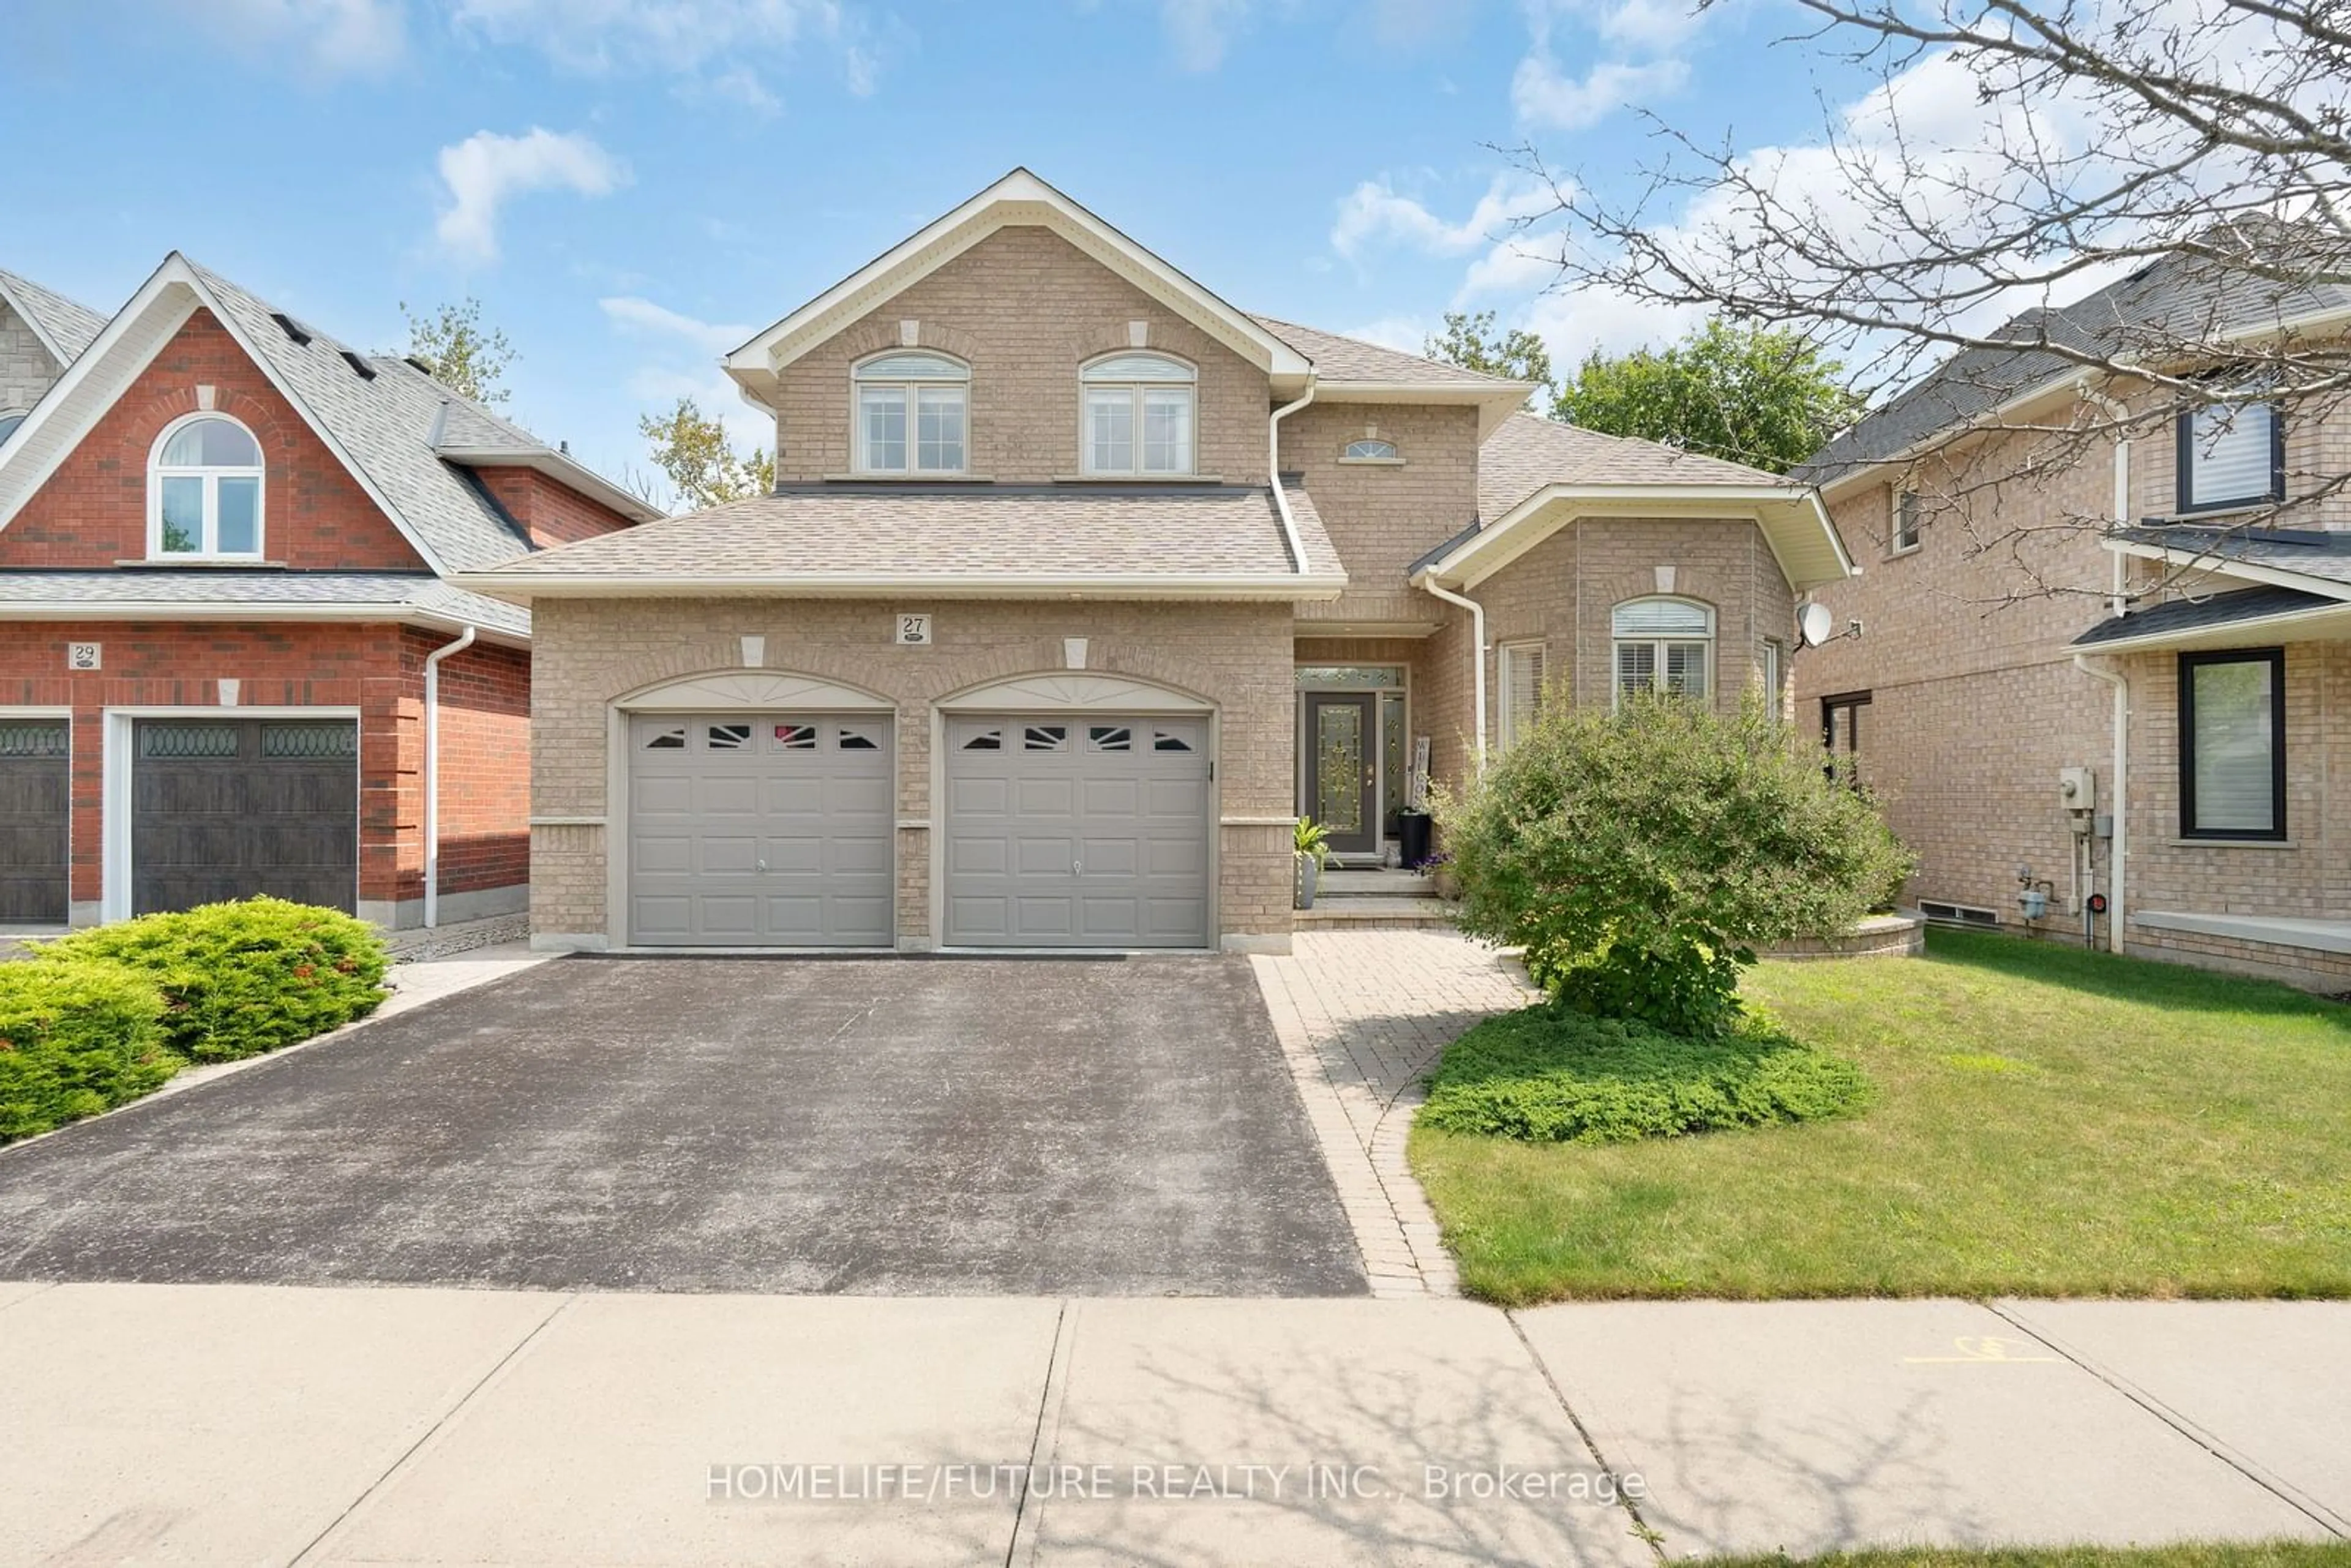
(231, 660)
(1078, 587)
(2100, 678)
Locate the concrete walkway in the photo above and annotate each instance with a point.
(1362, 1015)
(275, 1424)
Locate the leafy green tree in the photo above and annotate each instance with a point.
(1756, 395)
(458, 352)
(1475, 344)
(1640, 856)
(702, 464)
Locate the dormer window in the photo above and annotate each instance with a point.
(203, 491)
(1139, 415)
(911, 409)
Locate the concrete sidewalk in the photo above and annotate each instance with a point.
(250, 1424)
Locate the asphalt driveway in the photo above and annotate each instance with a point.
(1077, 1127)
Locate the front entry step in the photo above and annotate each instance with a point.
(1374, 911)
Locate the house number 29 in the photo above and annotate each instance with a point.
(914, 630)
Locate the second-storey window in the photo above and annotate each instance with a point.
(911, 413)
(203, 489)
(2230, 455)
(1138, 415)
(1663, 645)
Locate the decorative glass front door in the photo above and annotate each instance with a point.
(1343, 770)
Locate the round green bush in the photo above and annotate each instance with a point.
(246, 978)
(1641, 855)
(76, 1038)
(1551, 1074)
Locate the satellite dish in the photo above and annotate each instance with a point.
(1816, 620)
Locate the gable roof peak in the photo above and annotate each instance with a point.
(64, 327)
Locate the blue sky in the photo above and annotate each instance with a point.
(629, 188)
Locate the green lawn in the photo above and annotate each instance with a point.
(2045, 1122)
(2186, 1554)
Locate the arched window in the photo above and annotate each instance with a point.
(1371, 449)
(1138, 414)
(203, 489)
(9, 420)
(1664, 646)
(911, 409)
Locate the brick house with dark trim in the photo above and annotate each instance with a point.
(230, 662)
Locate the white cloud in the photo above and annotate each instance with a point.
(1200, 30)
(735, 43)
(485, 170)
(334, 35)
(1374, 211)
(1546, 98)
(1652, 25)
(629, 312)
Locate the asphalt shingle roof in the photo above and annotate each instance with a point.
(67, 324)
(181, 588)
(2309, 552)
(391, 427)
(812, 533)
(1529, 452)
(1340, 360)
(2168, 304)
(2182, 615)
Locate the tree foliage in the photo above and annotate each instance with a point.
(1474, 343)
(1762, 396)
(459, 352)
(702, 464)
(1640, 856)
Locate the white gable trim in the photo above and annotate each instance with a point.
(91, 386)
(1794, 524)
(1020, 197)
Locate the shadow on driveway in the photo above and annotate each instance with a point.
(857, 1125)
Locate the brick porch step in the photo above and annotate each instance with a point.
(1374, 911)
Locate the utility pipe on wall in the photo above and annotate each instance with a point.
(2118, 806)
(433, 773)
(1476, 657)
(1273, 475)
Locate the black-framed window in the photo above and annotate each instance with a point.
(2232, 743)
(2230, 455)
(1841, 735)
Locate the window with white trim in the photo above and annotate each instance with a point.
(1774, 653)
(912, 407)
(1371, 449)
(1904, 532)
(9, 420)
(1664, 646)
(204, 490)
(1139, 415)
(1519, 671)
(2230, 455)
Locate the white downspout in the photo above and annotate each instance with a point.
(2119, 806)
(1273, 475)
(433, 773)
(2117, 601)
(1477, 656)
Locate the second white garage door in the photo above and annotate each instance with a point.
(1076, 831)
(760, 829)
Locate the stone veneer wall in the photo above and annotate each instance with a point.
(587, 652)
(26, 370)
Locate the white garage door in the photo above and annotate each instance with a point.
(1076, 831)
(766, 830)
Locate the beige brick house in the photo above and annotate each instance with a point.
(1077, 588)
(2141, 618)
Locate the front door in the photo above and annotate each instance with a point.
(1341, 769)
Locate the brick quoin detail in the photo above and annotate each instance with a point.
(92, 512)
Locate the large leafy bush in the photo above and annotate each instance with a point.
(1640, 856)
(76, 1038)
(1551, 1074)
(244, 978)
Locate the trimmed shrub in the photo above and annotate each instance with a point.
(1551, 1074)
(76, 1038)
(1640, 856)
(242, 978)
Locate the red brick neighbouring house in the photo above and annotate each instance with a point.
(229, 662)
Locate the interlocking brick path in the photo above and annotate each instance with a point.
(1362, 1015)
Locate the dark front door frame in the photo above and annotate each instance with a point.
(1365, 838)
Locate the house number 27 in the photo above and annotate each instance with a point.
(914, 630)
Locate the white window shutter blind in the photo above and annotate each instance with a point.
(2228, 455)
